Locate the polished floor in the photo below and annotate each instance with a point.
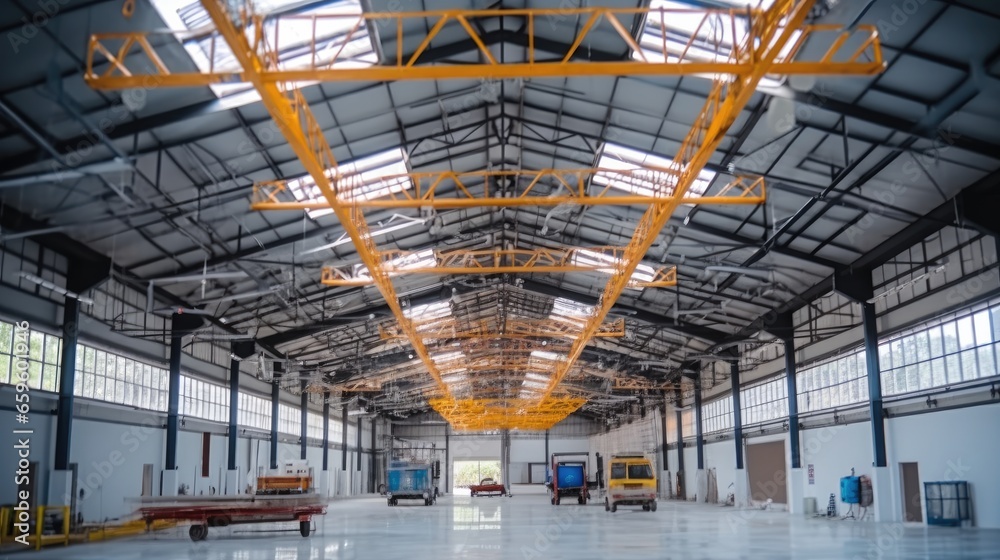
(526, 526)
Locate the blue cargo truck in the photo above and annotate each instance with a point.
(410, 481)
(569, 477)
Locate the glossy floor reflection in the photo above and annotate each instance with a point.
(526, 526)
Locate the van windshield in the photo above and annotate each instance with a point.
(617, 470)
(640, 471)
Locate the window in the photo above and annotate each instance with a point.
(717, 415)
(289, 421)
(254, 411)
(617, 470)
(840, 382)
(111, 377)
(42, 357)
(586, 257)
(628, 170)
(764, 401)
(201, 399)
(376, 176)
(640, 471)
(950, 350)
(690, 36)
(314, 425)
(298, 41)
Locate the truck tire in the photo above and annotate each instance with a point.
(304, 528)
(652, 505)
(198, 532)
(614, 507)
(607, 506)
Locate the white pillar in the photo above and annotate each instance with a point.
(885, 506)
(796, 491)
(741, 488)
(324, 484)
(169, 482)
(701, 486)
(233, 486)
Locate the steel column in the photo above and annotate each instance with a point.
(234, 408)
(734, 376)
(876, 411)
(793, 404)
(447, 456)
(358, 434)
(663, 420)
(681, 483)
(343, 439)
(372, 461)
(275, 411)
(326, 430)
(173, 394)
(67, 381)
(699, 444)
(303, 420)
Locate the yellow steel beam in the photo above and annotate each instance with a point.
(451, 189)
(633, 384)
(773, 29)
(512, 328)
(493, 414)
(124, 60)
(305, 137)
(497, 261)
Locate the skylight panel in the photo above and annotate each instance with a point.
(361, 179)
(586, 257)
(300, 42)
(647, 175)
(545, 355)
(428, 311)
(537, 377)
(713, 39)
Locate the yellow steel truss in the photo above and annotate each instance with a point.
(498, 261)
(511, 414)
(774, 30)
(452, 189)
(512, 328)
(775, 39)
(124, 60)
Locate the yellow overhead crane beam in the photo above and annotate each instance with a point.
(513, 328)
(771, 32)
(497, 261)
(774, 39)
(454, 189)
(289, 109)
(125, 60)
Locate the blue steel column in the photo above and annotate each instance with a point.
(663, 420)
(681, 483)
(234, 408)
(793, 403)
(699, 444)
(874, 383)
(173, 394)
(275, 410)
(343, 439)
(734, 375)
(303, 420)
(326, 430)
(67, 381)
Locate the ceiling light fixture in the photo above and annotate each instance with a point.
(56, 288)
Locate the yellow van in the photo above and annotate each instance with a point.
(631, 481)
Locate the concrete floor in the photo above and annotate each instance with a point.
(527, 526)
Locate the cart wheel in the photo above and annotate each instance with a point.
(557, 500)
(614, 507)
(652, 505)
(553, 500)
(381, 489)
(645, 507)
(198, 532)
(472, 494)
(304, 528)
(607, 507)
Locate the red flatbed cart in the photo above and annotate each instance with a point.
(235, 511)
(487, 487)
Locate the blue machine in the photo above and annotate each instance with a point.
(571, 476)
(410, 481)
(850, 490)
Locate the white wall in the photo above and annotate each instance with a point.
(41, 445)
(951, 445)
(721, 456)
(834, 451)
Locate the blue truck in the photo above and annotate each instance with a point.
(569, 478)
(410, 481)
